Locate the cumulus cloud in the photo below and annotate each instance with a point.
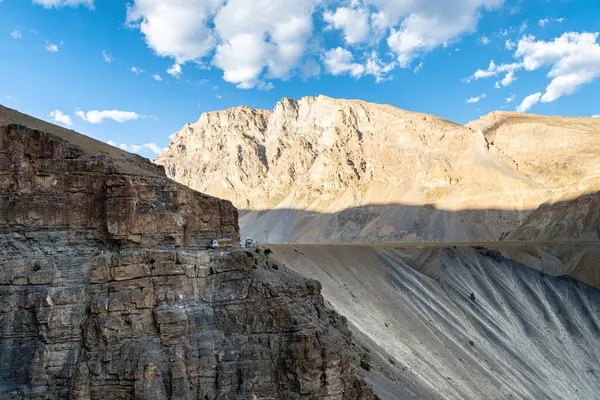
(65, 3)
(529, 102)
(138, 148)
(509, 78)
(574, 60)
(485, 41)
(354, 23)
(136, 70)
(252, 48)
(493, 70)
(476, 99)
(175, 71)
(377, 68)
(15, 34)
(340, 61)
(180, 31)
(107, 57)
(428, 24)
(277, 37)
(546, 21)
(157, 77)
(510, 99)
(59, 117)
(52, 48)
(509, 45)
(96, 117)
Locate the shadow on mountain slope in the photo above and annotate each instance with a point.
(575, 222)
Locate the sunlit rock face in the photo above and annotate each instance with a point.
(330, 170)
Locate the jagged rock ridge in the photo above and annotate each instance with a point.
(107, 290)
(330, 170)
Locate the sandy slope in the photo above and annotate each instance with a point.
(533, 336)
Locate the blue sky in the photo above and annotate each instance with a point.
(102, 67)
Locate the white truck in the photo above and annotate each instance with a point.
(218, 243)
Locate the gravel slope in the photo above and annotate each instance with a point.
(527, 335)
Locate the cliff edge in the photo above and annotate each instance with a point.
(108, 290)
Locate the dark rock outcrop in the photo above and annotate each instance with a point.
(108, 290)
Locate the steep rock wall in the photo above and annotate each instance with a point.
(108, 290)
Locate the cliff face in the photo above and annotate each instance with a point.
(344, 170)
(107, 289)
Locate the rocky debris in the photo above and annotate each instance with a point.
(350, 171)
(108, 290)
(526, 335)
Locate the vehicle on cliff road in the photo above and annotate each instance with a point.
(219, 243)
(249, 243)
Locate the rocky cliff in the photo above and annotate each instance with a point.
(330, 170)
(107, 290)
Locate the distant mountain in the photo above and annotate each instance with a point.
(331, 170)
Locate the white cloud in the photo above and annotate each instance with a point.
(175, 71)
(485, 41)
(354, 23)
(509, 78)
(418, 67)
(8, 97)
(339, 61)
(428, 24)
(53, 48)
(596, 116)
(180, 31)
(59, 117)
(377, 68)
(509, 45)
(476, 99)
(242, 60)
(15, 34)
(107, 57)
(65, 3)
(138, 148)
(136, 70)
(157, 77)
(95, 117)
(253, 47)
(219, 96)
(529, 102)
(523, 26)
(546, 21)
(274, 40)
(494, 70)
(510, 99)
(574, 59)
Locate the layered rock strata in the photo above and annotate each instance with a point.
(108, 290)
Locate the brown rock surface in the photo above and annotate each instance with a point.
(107, 290)
(331, 170)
